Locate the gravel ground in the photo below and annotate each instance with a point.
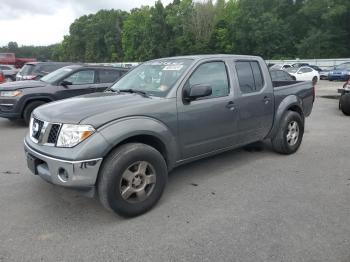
(238, 206)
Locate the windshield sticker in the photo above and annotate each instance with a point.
(173, 68)
(163, 63)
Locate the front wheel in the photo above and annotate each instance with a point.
(132, 179)
(29, 109)
(290, 134)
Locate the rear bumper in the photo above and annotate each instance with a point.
(80, 174)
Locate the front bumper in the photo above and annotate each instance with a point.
(9, 108)
(75, 174)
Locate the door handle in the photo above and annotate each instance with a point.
(231, 106)
(266, 100)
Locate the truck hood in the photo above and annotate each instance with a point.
(98, 109)
(10, 86)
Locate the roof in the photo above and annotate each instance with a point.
(211, 56)
(97, 67)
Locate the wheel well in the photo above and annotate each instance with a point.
(46, 100)
(148, 140)
(297, 109)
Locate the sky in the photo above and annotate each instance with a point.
(45, 22)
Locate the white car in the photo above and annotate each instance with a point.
(280, 66)
(304, 73)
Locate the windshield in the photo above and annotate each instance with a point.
(343, 67)
(292, 70)
(155, 77)
(56, 75)
(27, 69)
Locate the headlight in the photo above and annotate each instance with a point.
(71, 135)
(10, 93)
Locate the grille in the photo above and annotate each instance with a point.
(39, 124)
(53, 135)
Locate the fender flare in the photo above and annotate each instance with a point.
(121, 130)
(292, 103)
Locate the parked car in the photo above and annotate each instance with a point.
(340, 72)
(281, 75)
(36, 70)
(344, 100)
(297, 65)
(324, 73)
(9, 72)
(2, 77)
(304, 73)
(164, 113)
(19, 99)
(280, 66)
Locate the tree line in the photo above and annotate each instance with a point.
(273, 29)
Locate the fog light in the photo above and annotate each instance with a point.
(63, 175)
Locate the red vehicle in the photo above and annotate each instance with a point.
(2, 77)
(11, 59)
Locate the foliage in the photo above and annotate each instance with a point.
(272, 29)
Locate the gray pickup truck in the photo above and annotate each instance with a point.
(122, 143)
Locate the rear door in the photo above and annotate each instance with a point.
(83, 82)
(255, 103)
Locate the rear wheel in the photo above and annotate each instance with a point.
(29, 109)
(290, 133)
(314, 80)
(132, 179)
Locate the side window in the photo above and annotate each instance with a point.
(82, 77)
(250, 77)
(213, 74)
(305, 70)
(245, 77)
(258, 78)
(108, 76)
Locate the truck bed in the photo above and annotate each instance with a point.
(304, 90)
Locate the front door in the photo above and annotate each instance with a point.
(207, 124)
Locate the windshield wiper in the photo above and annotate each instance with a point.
(133, 91)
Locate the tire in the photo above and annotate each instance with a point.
(339, 106)
(314, 80)
(121, 172)
(283, 145)
(29, 109)
(344, 103)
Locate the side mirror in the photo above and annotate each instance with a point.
(66, 83)
(197, 91)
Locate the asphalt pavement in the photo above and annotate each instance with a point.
(242, 205)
